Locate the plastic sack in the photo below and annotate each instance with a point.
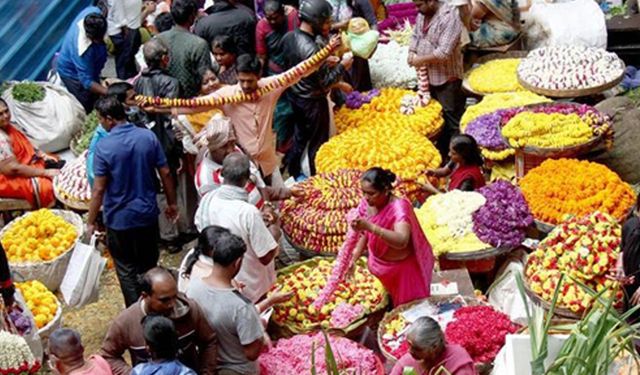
(577, 22)
(50, 123)
(81, 283)
(32, 337)
(504, 294)
(360, 39)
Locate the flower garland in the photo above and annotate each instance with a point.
(15, 356)
(345, 314)
(284, 80)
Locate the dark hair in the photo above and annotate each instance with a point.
(467, 147)
(163, 22)
(110, 106)
(248, 64)
(273, 6)
(66, 344)
(145, 281)
(119, 90)
(381, 179)
(205, 246)
(228, 249)
(102, 5)
(160, 336)
(183, 11)
(226, 43)
(95, 26)
(4, 102)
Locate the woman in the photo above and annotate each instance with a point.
(429, 354)
(629, 259)
(225, 52)
(209, 83)
(399, 253)
(23, 173)
(494, 23)
(464, 169)
(343, 11)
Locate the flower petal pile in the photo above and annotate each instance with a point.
(15, 356)
(496, 76)
(317, 220)
(389, 67)
(493, 102)
(293, 356)
(42, 303)
(557, 188)
(72, 183)
(546, 130)
(504, 218)
(584, 249)
(356, 99)
(481, 330)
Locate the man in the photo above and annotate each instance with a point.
(125, 165)
(66, 355)
(309, 96)
(197, 341)
(188, 53)
(233, 317)
(269, 34)
(430, 354)
(435, 44)
(83, 55)
(227, 207)
(22, 167)
(226, 17)
(124, 21)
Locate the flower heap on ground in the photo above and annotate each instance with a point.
(496, 76)
(317, 220)
(42, 303)
(384, 110)
(38, 236)
(554, 125)
(585, 249)
(481, 330)
(287, 78)
(306, 282)
(15, 356)
(357, 99)
(494, 216)
(493, 102)
(562, 187)
(72, 183)
(569, 67)
(389, 67)
(407, 153)
(293, 356)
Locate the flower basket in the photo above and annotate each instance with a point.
(570, 93)
(370, 319)
(51, 272)
(558, 311)
(54, 324)
(466, 85)
(488, 253)
(304, 252)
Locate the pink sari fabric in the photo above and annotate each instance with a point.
(455, 360)
(409, 279)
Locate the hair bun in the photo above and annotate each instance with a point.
(391, 177)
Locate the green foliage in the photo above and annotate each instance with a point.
(331, 364)
(28, 92)
(84, 138)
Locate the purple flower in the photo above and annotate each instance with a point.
(356, 99)
(485, 130)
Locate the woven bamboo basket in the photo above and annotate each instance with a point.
(303, 251)
(369, 320)
(576, 93)
(50, 272)
(466, 85)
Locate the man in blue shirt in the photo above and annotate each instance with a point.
(125, 165)
(83, 55)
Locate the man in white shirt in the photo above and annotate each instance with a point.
(124, 21)
(228, 207)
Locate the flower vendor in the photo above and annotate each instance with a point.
(494, 23)
(435, 44)
(429, 353)
(66, 355)
(23, 172)
(464, 169)
(629, 258)
(399, 253)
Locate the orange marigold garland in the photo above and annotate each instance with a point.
(558, 188)
(286, 78)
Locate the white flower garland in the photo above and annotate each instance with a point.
(455, 208)
(14, 351)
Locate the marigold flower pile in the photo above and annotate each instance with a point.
(496, 76)
(42, 303)
(493, 102)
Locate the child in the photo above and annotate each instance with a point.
(464, 169)
(225, 52)
(162, 343)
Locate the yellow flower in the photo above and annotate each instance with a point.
(492, 102)
(42, 303)
(496, 76)
(555, 130)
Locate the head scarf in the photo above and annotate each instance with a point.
(216, 133)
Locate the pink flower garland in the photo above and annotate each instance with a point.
(345, 314)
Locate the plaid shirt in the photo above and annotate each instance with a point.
(440, 38)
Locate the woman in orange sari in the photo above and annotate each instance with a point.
(399, 254)
(22, 167)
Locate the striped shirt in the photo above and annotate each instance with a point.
(209, 177)
(441, 38)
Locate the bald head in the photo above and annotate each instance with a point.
(66, 345)
(235, 169)
(159, 290)
(155, 53)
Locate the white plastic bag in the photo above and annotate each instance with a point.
(81, 283)
(504, 294)
(51, 123)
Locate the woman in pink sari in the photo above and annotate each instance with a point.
(399, 254)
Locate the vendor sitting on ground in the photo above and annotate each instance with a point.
(464, 169)
(22, 166)
(494, 23)
(430, 354)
